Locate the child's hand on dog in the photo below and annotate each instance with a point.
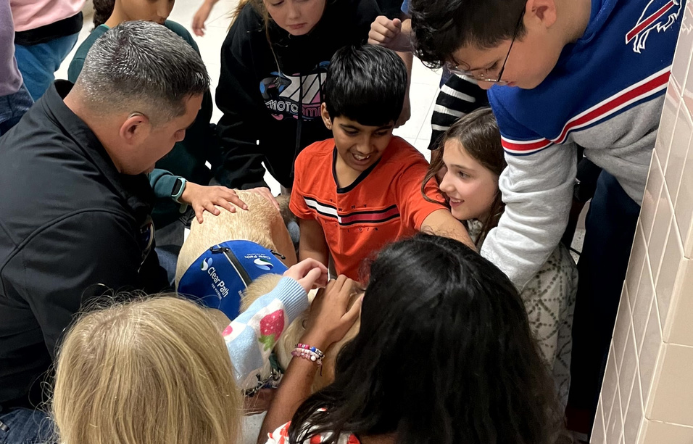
(330, 316)
(208, 198)
(267, 194)
(309, 273)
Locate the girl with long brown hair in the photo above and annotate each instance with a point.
(472, 160)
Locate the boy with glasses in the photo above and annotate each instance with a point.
(570, 73)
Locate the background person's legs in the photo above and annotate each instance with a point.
(25, 426)
(38, 63)
(13, 107)
(610, 228)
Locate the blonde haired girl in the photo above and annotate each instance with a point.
(152, 371)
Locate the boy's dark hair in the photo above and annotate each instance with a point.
(440, 27)
(102, 11)
(444, 355)
(366, 84)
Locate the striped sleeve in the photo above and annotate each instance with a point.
(517, 140)
(457, 97)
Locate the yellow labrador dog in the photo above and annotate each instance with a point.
(262, 223)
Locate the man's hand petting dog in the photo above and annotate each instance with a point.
(330, 316)
(309, 273)
(208, 198)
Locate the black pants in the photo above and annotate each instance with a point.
(610, 228)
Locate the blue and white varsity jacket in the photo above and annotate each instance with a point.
(605, 94)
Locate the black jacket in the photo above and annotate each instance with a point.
(70, 227)
(259, 95)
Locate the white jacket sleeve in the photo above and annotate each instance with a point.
(537, 190)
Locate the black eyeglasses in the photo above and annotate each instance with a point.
(483, 75)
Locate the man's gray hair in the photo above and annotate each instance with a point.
(142, 67)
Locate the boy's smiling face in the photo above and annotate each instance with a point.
(359, 146)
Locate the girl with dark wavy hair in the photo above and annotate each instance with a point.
(444, 355)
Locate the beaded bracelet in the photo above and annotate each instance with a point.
(312, 349)
(307, 355)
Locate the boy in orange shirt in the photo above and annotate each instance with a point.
(362, 190)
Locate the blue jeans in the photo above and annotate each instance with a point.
(25, 426)
(168, 259)
(169, 240)
(38, 63)
(13, 107)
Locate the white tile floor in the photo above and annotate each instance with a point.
(424, 85)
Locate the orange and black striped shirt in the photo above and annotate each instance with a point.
(382, 205)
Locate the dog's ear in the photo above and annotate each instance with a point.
(283, 200)
(260, 287)
(293, 335)
(326, 377)
(288, 340)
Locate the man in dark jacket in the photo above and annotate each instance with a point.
(75, 202)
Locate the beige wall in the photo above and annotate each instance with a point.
(647, 395)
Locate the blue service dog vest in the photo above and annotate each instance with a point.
(219, 276)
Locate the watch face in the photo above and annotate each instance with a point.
(176, 187)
